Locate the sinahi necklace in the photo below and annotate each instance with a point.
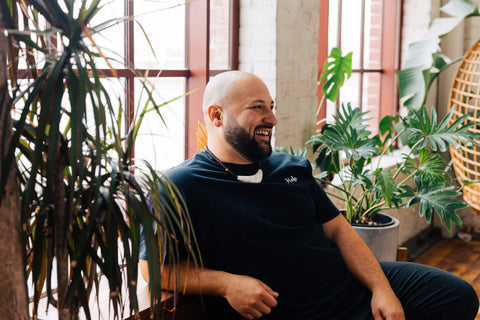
(256, 178)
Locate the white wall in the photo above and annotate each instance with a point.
(257, 50)
(279, 43)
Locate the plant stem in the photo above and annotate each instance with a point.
(385, 148)
(403, 163)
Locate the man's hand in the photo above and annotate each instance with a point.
(250, 297)
(385, 305)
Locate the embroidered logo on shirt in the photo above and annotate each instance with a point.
(291, 179)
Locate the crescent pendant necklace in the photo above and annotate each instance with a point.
(256, 178)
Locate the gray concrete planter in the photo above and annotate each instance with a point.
(382, 239)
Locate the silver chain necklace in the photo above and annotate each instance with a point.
(256, 178)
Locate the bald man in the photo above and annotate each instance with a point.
(273, 245)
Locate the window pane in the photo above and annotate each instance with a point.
(373, 33)
(333, 24)
(371, 99)
(348, 94)
(161, 144)
(219, 34)
(350, 91)
(110, 40)
(351, 29)
(160, 34)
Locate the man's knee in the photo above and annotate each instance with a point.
(469, 299)
(430, 292)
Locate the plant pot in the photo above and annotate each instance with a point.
(381, 238)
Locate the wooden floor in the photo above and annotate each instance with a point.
(459, 257)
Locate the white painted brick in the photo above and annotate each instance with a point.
(279, 43)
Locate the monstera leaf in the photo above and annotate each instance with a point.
(334, 72)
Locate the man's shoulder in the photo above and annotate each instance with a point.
(188, 167)
(282, 159)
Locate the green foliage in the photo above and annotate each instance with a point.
(335, 70)
(82, 204)
(367, 188)
(291, 150)
(424, 62)
(349, 134)
(423, 130)
(347, 148)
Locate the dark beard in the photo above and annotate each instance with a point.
(247, 146)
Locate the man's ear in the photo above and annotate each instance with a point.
(215, 114)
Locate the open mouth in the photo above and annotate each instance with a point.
(265, 133)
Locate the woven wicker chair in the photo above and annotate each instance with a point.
(465, 99)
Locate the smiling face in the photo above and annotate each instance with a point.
(250, 120)
(239, 117)
(250, 147)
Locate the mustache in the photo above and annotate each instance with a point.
(264, 126)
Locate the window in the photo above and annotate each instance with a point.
(370, 29)
(177, 45)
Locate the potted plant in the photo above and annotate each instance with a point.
(347, 150)
(420, 130)
(79, 204)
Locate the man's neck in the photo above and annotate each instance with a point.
(226, 153)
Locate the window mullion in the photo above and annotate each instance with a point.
(389, 56)
(198, 34)
(129, 62)
(322, 55)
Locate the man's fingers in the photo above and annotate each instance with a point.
(263, 308)
(377, 317)
(250, 297)
(269, 290)
(255, 313)
(270, 298)
(247, 316)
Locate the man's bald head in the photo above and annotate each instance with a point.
(222, 89)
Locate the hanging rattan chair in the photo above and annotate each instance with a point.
(465, 99)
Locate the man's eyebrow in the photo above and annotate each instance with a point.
(262, 101)
(257, 101)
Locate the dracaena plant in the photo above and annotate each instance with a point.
(81, 203)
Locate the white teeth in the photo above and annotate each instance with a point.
(263, 132)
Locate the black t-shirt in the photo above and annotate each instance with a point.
(271, 231)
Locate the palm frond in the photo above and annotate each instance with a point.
(82, 205)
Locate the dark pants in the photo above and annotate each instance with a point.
(428, 293)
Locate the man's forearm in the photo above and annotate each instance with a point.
(188, 278)
(249, 296)
(357, 256)
(364, 266)
(362, 262)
